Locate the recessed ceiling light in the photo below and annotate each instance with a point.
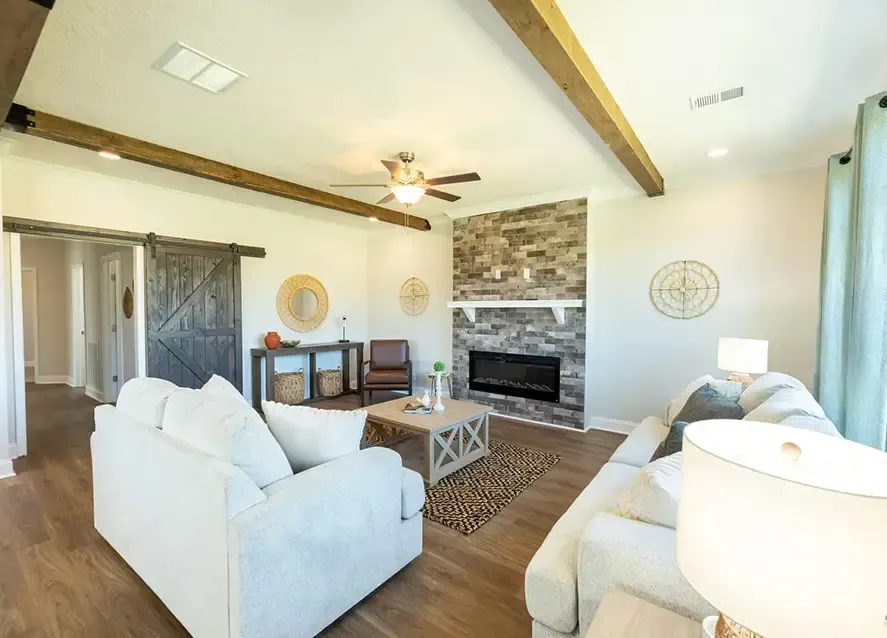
(111, 155)
(194, 67)
(374, 219)
(715, 153)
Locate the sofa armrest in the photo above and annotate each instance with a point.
(635, 557)
(322, 535)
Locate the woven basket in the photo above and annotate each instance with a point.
(289, 387)
(329, 382)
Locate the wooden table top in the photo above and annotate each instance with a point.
(622, 615)
(391, 413)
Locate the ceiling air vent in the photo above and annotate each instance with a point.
(192, 66)
(717, 97)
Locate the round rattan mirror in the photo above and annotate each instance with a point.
(302, 303)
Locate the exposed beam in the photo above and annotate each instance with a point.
(21, 22)
(544, 31)
(59, 129)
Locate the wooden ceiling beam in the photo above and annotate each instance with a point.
(21, 22)
(544, 31)
(59, 129)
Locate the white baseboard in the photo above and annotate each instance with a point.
(610, 425)
(46, 379)
(6, 469)
(94, 393)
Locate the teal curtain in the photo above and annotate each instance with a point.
(852, 355)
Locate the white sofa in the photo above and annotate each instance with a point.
(231, 560)
(590, 550)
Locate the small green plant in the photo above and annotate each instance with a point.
(439, 366)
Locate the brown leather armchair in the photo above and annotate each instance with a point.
(390, 367)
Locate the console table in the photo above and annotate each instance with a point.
(311, 349)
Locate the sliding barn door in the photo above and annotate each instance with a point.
(194, 316)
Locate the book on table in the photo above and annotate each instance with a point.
(414, 407)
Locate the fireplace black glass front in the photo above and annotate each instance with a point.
(517, 375)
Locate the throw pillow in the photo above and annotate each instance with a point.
(785, 403)
(228, 430)
(728, 389)
(706, 403)
(673, 442)
(765, 387)
(144, 399)
(224, 389)
(310, 437)
(652, 497)
(814, 424)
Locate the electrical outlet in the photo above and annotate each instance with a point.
(526, 273)
(498, 274)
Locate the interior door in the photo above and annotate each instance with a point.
(194, 316)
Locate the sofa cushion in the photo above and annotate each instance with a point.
(310, 437)
(785, 403)
(224, 389)
(640, 444)
(551, 580)
(412, 494)
(812, 423)
(652, 496)
(765, 387)
(228, 430)
(706, 403)
(144, 399)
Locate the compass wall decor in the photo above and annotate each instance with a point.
(414, 296)
(684, 289)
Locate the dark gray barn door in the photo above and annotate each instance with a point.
(194, 316)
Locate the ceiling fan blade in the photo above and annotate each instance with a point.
(454, 179)
(442, 195)
(357, 185)
(385, 199)
(391, 165)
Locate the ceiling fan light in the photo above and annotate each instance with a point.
(408, 193)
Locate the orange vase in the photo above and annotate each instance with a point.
(272, 341)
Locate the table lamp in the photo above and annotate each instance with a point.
(783, 530)
(743, 358)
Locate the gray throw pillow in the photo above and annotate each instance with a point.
(706, 403)
(673, 443)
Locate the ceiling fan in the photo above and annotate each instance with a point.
(408, 184)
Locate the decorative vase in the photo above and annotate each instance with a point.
(438, 391)
(425, 400)
(272, 341)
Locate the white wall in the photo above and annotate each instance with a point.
(395, 255)
(761, 236)
(53, 315)
(334, 253)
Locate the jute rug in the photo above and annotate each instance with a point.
(468, 498)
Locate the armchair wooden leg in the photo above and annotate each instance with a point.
(362, 398)
(370, 392)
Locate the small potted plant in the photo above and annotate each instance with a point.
(439, 374)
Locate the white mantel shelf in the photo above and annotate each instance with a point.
(558, 306)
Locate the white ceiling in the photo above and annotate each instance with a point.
(333, 87)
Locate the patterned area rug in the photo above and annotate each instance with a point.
(468, 498)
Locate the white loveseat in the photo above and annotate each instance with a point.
(590, 550)
(232, 560)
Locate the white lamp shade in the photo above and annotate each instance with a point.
(785, 547)
(742, 355)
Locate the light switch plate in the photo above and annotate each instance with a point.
(498, 274)
(526, 273)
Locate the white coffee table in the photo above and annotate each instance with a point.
(454, 438)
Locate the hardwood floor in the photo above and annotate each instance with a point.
(58, 577)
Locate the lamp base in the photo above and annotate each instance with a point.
(741, 377)
(726, 628)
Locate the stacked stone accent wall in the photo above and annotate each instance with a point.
(550, 240)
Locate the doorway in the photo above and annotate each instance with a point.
(77, 325)
(29, 322)
(112, 326)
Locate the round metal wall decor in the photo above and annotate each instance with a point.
(302, 303)
(414, 296)
(684, 289)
